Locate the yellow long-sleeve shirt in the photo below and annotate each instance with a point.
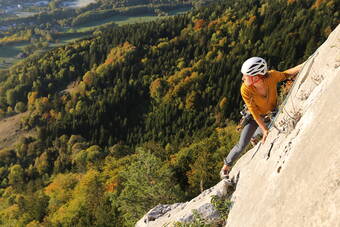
(258, 104)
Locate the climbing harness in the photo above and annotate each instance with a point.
(246, 117)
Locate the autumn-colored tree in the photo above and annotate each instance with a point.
(88, 78)
(60, 190)
(88, 205)
(199, 24)
(158, 88)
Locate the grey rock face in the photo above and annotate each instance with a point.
(159, 211)
(184, 212)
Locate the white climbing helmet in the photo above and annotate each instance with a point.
(254, 66)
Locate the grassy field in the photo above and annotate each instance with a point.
(67, 38)
(123, 20)
(8, 54)
(25, 14)
(179, 11)
(120, 20)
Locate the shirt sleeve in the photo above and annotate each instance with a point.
(278, 76)
(247, 98)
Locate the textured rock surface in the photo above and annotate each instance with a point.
(294, 178)
(182, 212)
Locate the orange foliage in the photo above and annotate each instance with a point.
(64, 99)
(156, 88)
(222, 42)
(221, 20)
(13, 39)
(318, 3)
(61, 183)
(327, 31)
(199, 24)
(191, 100)
(183, 87)
(251, 20)
(213, 23)
(180, 84)
(119, 53)
(54, 114)
(222, 103)
(198, 64)
(44, 100)
(11, 212)
(179, 76)
(111, 187)
(175, 40)
(219, 56)
(88, 77)
(32, 97)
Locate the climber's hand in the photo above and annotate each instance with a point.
(264, 137)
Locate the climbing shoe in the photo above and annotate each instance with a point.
(224, 173)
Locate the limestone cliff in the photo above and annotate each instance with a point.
(294, 178)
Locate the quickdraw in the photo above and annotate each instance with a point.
(246, 117)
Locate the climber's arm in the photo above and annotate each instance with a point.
(292, 72)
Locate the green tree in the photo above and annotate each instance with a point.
(32, 207)
(11, 97)
(16, 176)
(20, 107)
(147, 182)
(42, 163)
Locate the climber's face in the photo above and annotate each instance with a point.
(247, 80)
(250, 80)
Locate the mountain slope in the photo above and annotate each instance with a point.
(10, 130)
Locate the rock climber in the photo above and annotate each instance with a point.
(259, 92)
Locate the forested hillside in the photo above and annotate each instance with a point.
(27, 28)
(141, 114)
